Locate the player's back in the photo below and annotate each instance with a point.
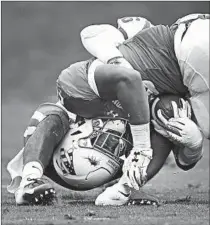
(151, 52)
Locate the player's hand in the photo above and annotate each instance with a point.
(181, 131)
(187, 132)
(184, 111)
(161, 125)
(161, 130)
(135, 167)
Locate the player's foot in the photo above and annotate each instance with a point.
(113, 196)
(36, 192)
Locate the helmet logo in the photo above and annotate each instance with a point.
(93, 160)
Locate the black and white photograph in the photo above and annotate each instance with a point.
(105, 112)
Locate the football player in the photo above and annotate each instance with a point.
(80, 92)
(172, 60)
(28, 184)
(88, 89)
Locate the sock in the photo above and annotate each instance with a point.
(31, 170)
(141, 135)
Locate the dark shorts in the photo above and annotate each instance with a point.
(78, 97)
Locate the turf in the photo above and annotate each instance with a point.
(184, 198)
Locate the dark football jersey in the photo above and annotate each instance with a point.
(151, 52)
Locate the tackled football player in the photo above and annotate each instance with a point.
(77, 89)
(50, 122)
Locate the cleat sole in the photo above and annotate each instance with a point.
(45, 198)
(143, 202)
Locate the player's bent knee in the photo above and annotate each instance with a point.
(129, 78)
(44, 111)
(53, 109)
(127, 75)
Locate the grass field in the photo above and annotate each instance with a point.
(184, 201)
(184, 196)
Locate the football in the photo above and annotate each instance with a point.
(163, 102)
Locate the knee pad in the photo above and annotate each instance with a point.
(43, 111)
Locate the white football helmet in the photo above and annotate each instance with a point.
(92, 152)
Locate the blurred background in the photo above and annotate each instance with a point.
(39, 39)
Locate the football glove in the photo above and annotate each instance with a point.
(187, 132)
(180, 129)
(161, 126)
(160, 129)
(184, 111)
(135, 167)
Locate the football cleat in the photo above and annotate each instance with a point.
(112, 196)
(143, 202)
(37, 192)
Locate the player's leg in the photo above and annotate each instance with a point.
(114, 82)
(126, 86)
(119, 194)
(161, 150)
(46, 129)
